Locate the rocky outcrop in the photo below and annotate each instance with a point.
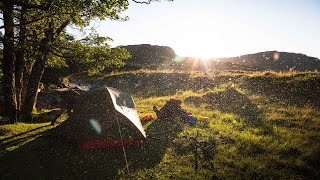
(149, 56)
(277, 61)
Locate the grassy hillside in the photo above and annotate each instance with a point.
(257, 125)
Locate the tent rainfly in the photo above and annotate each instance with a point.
(103, 117)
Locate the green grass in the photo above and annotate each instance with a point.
(285, 145)
(14, 136)
(266, 127)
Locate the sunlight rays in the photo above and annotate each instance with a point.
(194, 64)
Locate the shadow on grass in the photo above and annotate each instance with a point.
(48, 116)
(49, 157)
(287, 90)
(43, 117)
(161, 84)
(161, 134)
(232, 101)
(16, 140)
(21, 134)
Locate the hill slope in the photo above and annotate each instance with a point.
(163, 57)
(277, 61)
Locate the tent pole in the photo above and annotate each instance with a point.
(124, 151)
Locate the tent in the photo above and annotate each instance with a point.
(103, 117)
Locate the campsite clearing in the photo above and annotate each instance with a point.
(259, 125)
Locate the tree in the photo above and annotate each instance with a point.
(40, 23)
(91, 54)
(32, 28)
(8, 60)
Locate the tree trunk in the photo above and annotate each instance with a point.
(38, 69)
(32, 88)
(8, 69)
(20, 60)
(26, 75)
(19, 78)
(35, 76)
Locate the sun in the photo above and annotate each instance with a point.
(203, 49)
(200, 52)
(209, 40)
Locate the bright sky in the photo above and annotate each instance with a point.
(221, 28)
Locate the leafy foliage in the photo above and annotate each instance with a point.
(91, 54)
(33, 32)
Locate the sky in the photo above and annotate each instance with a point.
(220, 28)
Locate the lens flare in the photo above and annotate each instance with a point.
(276, 56)
(205, 64)
(178, 59)
(95, 125)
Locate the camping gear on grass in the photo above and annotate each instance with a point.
(103, 117)
(172, 110)
(147, 118)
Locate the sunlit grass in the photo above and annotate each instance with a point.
(280, 141)
(258, 152)
(244, 150)
(14, 136)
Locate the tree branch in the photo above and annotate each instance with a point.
(61, 55)
(26, 23)
(146, 2)
(142, 2)
(62, 26)
(34, 20)
(32, 6)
